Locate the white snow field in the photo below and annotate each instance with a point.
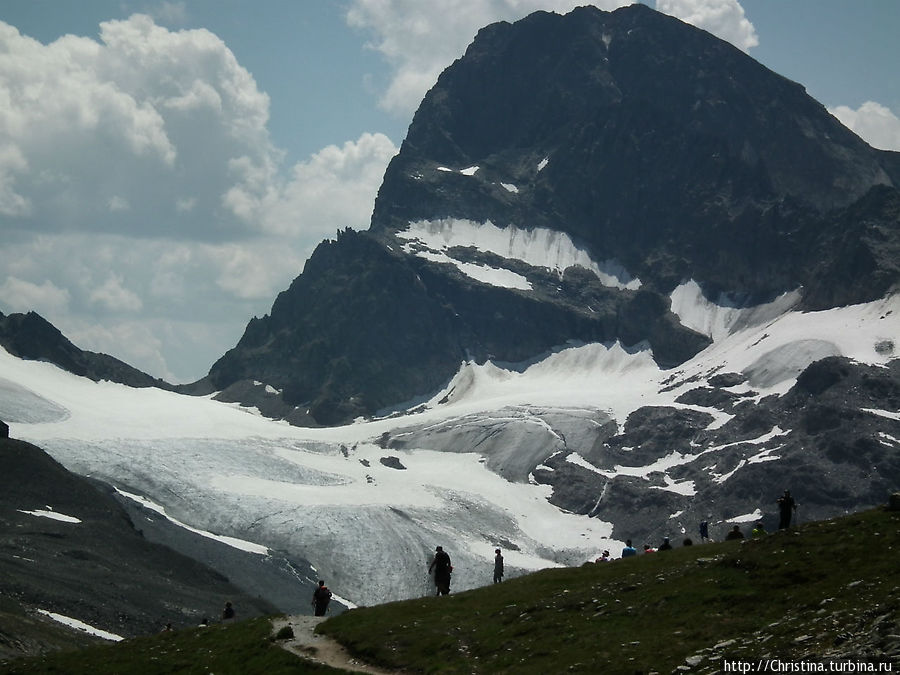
(463, 479)
(538, 247)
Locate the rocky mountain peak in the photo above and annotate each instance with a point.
(652, 141)
(581, 167)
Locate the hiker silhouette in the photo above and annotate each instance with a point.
(734, 534)
(786, 507)
(443, 570)
(320, 599)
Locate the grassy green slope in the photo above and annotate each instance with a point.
(242, 648)
(828, 590)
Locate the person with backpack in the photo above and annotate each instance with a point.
(786, 508)
(443, 570)
(321, 598)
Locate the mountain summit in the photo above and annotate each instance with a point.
(558, 182)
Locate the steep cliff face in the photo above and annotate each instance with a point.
(651, 141)
(365, 328)
(557, 183)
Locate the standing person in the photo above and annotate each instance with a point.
(321, 598)
(498, 566)
(629, 550)
(786, 508)
(442, 570)
(734, 534)
(228, 612)
(704, 531)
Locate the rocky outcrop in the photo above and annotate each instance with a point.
(30, 336)
(833, 438)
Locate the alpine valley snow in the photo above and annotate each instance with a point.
(475, 463)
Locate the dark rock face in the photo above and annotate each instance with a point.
(393, 462)
(337, 340)
(649, 143)
(365, 327)
(30, 336)
(99, 570)
(665, 148)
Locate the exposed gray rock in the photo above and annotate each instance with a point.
(392, 462)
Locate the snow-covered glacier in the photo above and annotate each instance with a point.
(367, 503)
(367, 522)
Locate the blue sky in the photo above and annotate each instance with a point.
(167, 167)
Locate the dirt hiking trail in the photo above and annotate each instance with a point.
(320, 648)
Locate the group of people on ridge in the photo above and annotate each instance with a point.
(787, 506)
(442, 568)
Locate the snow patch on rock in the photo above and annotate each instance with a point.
(538, 247)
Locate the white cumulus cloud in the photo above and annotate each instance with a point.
(146, 212)
(334, 189)
(91, 129)
(25, 296)
(420, 39)
(876, 124)
(723, 18)
(113, 295)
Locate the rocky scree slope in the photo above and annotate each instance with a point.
(92, 565)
